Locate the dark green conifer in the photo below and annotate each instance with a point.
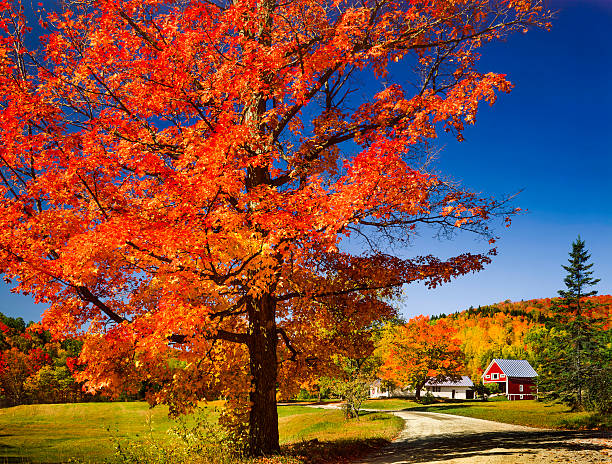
(572, 349)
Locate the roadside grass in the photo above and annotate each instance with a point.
(525, 412)
(324, 436)
(330, 425)
(90, 432)
(390, 403)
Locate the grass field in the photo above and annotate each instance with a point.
(57, 432)
(88, 431)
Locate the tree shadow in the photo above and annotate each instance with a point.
(475, 445)
(322, 451)
(451, 406)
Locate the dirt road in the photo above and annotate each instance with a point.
(443, 438)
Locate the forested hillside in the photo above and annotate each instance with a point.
(498, 330)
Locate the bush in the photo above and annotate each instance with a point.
(193, 439)
(428, 398)
(599, 394)
(303, 395)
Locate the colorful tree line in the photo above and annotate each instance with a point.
(36, 369)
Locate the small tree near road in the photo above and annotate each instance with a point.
(352, 384)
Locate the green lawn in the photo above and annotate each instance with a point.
(56, 432)
(330, 425)
(88, 431)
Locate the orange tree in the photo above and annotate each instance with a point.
(176, 177)
(418, 351)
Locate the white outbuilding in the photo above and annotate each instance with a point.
(462, 389)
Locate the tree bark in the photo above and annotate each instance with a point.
(263, 418)
(417, 390)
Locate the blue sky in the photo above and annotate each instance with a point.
(552, 138)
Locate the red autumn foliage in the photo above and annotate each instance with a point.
(177, 178)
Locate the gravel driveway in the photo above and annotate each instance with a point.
(444, 438)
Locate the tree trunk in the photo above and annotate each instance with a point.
(263, 419)
(417, 390)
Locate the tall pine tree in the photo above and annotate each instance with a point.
(573, 351)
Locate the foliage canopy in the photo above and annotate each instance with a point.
(176, 178)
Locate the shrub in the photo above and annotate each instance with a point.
(428, 398)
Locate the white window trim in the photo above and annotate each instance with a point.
(521, 388)
(495, 376)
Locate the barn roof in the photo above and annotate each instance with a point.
(465, 381)
(515, 367)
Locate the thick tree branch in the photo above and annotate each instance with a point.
(220, 335)
(88, 296)
(288, 344)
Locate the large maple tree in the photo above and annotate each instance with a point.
(176, 178)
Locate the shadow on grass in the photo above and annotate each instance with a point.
(15, 460)
(481, 445)
(337, 451)
(431, 408)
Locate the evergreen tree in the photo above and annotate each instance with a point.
(572, 348)
(578, 278)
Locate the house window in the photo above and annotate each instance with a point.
(495, 376)
(520, 388)
(521, 396)
(436, 389)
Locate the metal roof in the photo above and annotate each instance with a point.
(515, 367)
(465, 381)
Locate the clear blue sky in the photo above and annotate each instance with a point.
(551, 137)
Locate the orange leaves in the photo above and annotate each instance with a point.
(168, 167)
(418, 350)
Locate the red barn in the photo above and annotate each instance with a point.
(516, 378)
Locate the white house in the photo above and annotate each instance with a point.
(457, 389)
(378, 390)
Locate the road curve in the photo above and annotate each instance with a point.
(444, 438)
